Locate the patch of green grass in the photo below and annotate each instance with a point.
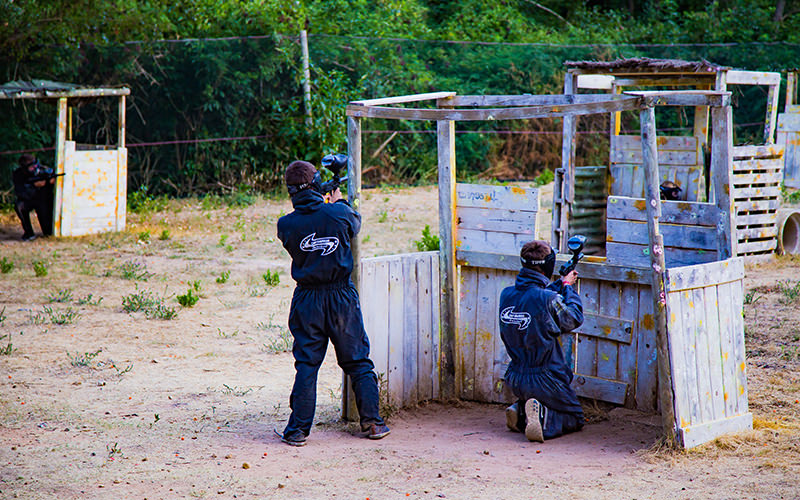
(223, 277)
(790, 292)
(133, 270)
(6, 266)
(2, 315)
(545, 177)
(141, 300)
(189, 299)
(223, 238)
(751, 297)
(164, 235)
(226, 335)
(8, 349)
(89, 300)
(283, 343)
(40, 268)
(38, 318)
(65, 316)
(383, 215)
(63, 295)
(235, 391)
(161, 311)
(83, 359)
(143, 237)
(429, 242)
(271, 278)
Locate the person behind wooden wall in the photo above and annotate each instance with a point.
(33, 187)
(325, 304)
(533, 314)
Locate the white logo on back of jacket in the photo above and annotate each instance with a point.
(327, 244)
(510, 317)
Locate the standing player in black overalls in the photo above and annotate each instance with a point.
(533, 314)
(33, 187)
(325, 304)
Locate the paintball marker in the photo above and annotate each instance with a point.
(575, 245)
(44, 177)
(336, 163)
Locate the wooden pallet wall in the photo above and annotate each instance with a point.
(757, 176)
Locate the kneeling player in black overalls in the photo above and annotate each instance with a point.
(325, 304)
(533, 314)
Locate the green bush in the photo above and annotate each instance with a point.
(6, 266)
(429, 242)
(189, 299)
(40, 268)
(271, 278)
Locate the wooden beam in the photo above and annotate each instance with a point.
(446, 151)
(354, 198)
(568, 144)
(58, 94)
(529, 100)
(658, 263)
(772, 114)
(739, 77)
(61, 139)
(791, 90)
(491, 114)
(403, 99)
(721, 178)
(684, 97)
(666, 80)
(121, 123)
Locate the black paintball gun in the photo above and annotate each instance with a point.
(336, 163)
(575, 245)
(43, 177)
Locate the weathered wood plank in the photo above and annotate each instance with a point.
(744, 205)
(598, 388)
(757, 233)
(467, 317)
(712, 327)
(646, 392)
(586, 362)
(789, 122)
(396, 372)
(746, 247)
(482, 241)
(607, 354)
(683, 97)
(64, 94)
(497, 197)
(425, 360)
(604, 326)
(757, 219)
(677, 353)
(688, 330)
(430, 96)
(757, 192)
(626, 361)
(483, 333)
(529, 100)
(744, 77)
(704, 275)
(501, 357)
(664, 157)
(672, 212)
(375, 304)
(497, 220)
(729, 384)
(721, 174)
(446, 160)
(436, 326)
(631, 254)
(739, 357)
(696, 435)
(767, 151)
(703, 348)
(679, 236)
(410, 339)
(765, 178)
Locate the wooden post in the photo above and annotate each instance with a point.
(701, 134)
(446, 146)
(122, 169)
(349, 410)
(658, 263)
(61, 139)
(561, 232)
(772, 114)
(306, 77)
(721, 176)
(791, 82)
(121, 123)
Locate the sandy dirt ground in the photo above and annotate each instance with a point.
(99, 403)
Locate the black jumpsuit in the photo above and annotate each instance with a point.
(30, 197)
(532, 316)
(325, 306)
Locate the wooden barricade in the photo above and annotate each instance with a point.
(757, 176)
(688, 228)
(400, 300)
(706, 345)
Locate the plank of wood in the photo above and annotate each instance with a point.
(703, 367)
(740, 193)
(467, 318)
(676, 236)
(760, 232)
(73, 93)
(501, 358)
(588, 386)
(626, 364)
(607, 354)
(528, 100)
(682, 97)
(497, 197)
(762, 178)
(664, 157)
(757, 219)
(411, 320)
(631, 254)
(375, 304)
(726, 326)
(497, 220)
(490, 114)
(704, 275)
(687, 329)
(586, 359)
(404, 99)
(646, 391)
(395, 382)
(436, 324)
(696, 435)
(665, 143)
(677, 354)
(740, 362)
(789, 122)
(425, 361)
(482, 241)
(712, 328)
(483, 334)
(721, 174)
(766, 151)
(446, 161)
(748, 247)
(605, 326)
(672, 212)
(744, 77)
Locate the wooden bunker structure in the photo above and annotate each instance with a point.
(91, 196)
(683, 159)
(660, 334)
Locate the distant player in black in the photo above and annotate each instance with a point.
(325, 304)
(533, 314)
(33, 187)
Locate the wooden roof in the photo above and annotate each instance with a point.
(46, 89)
(645, 65)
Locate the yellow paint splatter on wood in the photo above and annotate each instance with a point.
(640, 205)
(517, 190)
(648, 322)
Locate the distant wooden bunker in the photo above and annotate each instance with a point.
(663, 332)
(91, 197)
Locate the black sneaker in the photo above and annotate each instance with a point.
(378, 431)
(28, 237)
(294, 438)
